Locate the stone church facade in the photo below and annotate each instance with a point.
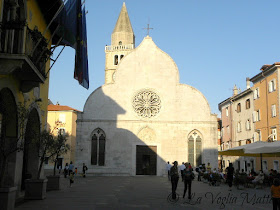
(142, 116)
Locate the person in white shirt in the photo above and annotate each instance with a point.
(182, 168)
(168, 166)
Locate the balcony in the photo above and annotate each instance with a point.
(119, 47)
(18, 55)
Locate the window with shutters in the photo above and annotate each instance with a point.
(248, 141)
(238, 108)
(62, 118)
(98, 141)
(258, 115)
(265, 165)
(272, 85)
(273, 110)
(248, 105)
(227, 111)
(256, 93)
(248, 124)
(239, 127)
(276, 165)
(259, 135)
(274, 134)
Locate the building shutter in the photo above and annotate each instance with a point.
(270, 86)
(254, 116)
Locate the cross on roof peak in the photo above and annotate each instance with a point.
(148, 29)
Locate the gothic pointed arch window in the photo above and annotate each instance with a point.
(98, 142)
(195, 148)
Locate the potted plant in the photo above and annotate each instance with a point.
(59, 148)
(36, 188)
(8, 147)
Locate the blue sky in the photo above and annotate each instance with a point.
(215, 44)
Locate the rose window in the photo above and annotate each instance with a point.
(146, 104)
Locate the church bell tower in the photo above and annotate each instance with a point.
(122, 42)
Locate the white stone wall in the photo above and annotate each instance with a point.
(183, 109)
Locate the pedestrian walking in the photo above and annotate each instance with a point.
(168, 167)
(71, 167)
(66, 168)
(188, 177)
(174, 178)
(230, 172)
(275, 194)
(71, 178)
(182, 168)
(84, 170)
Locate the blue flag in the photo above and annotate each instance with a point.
(67, 20)
(72, 28)
(81, 58)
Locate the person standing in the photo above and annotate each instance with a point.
(168, 167)
(71, 178)
(84, 170)
(199, 173)
(71, 167)
(208, 168)
(230, 172)
(182, 168)
(188, 177)
(174, 178)
(275, 194)
(66, 170)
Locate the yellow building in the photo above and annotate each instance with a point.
(25, 42)
(62, 119)
(266, 109)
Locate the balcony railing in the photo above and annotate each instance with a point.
(119, 47)
(18, 39)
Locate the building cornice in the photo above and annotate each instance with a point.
(265, 72)
(234, 98)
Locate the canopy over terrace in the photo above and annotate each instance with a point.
(256, 149)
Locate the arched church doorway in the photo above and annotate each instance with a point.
(30, 153)
(8, 135)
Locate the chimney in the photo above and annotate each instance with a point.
(235, 90)
(247, 83)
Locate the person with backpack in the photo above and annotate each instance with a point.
(188, 177)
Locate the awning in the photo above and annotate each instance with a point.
(256, 149)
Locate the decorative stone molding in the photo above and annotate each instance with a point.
(146, 103)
